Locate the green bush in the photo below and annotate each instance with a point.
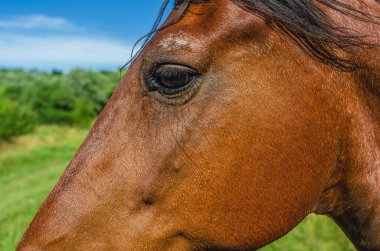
(73, 98)
(15, 120)
(52, 99)
(83, 114)
(94, 87)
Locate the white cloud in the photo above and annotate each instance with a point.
(38, 22)
(62, 52)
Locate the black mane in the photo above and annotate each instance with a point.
(313, 30)
(302, 20)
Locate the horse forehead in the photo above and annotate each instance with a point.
(202, 23)
(178, 40)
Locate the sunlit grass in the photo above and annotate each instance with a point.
(32, 164)
(29, 168)
(315, 233)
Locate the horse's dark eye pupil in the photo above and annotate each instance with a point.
(174, 81)
(173, 77)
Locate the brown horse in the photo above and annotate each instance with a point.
(237, 120)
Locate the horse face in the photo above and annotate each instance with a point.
(221, 135)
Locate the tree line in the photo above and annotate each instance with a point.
(31, 98)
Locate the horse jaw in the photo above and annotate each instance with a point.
(352, 196)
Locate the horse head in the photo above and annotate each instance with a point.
(236, 121)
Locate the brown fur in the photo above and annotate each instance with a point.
(271, 136)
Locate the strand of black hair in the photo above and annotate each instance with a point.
(303, 21)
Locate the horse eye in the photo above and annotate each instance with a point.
(172, 79)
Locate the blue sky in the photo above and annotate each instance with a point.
(64, 34)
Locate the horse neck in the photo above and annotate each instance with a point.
(352, 195)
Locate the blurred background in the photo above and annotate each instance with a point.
(59, 64)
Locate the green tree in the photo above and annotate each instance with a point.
(15, 120)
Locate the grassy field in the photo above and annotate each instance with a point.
(31, 165)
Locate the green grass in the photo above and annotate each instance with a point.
(315, 233)
(32, 164)
(29, 168)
